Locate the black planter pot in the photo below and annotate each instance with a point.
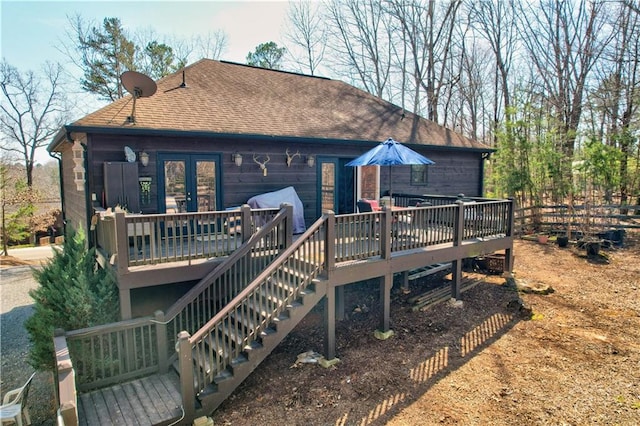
(592, 248)
(562, 241)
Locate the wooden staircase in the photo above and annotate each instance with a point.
(239, 368)
(220, 355)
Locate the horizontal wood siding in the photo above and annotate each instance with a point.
(454, 171)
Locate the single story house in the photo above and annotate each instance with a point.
(218, 133)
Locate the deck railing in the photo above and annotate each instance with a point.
(112, 353)
(365, 235)
(411, 200)
(135, 239)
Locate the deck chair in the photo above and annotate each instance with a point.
(14, 405)
(364, 206)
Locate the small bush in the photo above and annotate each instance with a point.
(74, 293)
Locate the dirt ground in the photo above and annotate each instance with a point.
(504, 357)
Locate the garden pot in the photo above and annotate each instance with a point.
(592, 248)
(543, 239)
(562, 241)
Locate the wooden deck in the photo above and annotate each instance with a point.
(274, 268)
(153, 400)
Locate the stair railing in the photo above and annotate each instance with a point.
(284, 280)
(221, 285)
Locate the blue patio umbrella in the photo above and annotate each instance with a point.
(390, 153)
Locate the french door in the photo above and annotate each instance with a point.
(335, 185)
(188, 183)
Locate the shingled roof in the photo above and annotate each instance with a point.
(228, 98)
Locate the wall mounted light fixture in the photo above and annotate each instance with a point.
(144, 159)
(311, 160)
(237, 159)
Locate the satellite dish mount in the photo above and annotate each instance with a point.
(140, 86)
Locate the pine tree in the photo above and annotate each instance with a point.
(74, 293)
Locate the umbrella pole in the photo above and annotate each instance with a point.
(390, 188)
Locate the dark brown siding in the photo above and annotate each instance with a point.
(454, 171)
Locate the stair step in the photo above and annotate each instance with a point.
(261, 309)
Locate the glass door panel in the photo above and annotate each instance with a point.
(369, 183)
(328, 195)
(206, 186)
(175, 186)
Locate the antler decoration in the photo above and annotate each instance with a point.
(291, 157)
(263, 164)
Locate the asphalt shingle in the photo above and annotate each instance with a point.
(229, 98)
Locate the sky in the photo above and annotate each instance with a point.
(32, 31)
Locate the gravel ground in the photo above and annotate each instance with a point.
(17, 306)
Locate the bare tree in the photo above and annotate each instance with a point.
(361, 35)
(307, 32)
(472, 87)
(564, 40)
(616, 99)
(33, 109)
(495, 21)
(212, 45)
(429, 27)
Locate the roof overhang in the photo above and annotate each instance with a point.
(64, 134)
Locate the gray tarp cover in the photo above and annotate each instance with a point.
(275, 199)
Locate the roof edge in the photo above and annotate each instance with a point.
(65, 130)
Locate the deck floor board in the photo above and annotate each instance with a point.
(147, 401)
(138, 409)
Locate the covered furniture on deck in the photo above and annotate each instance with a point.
(276, 198)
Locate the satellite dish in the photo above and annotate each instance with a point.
(129, 154)
(140, 86)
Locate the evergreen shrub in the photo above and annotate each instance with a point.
(74, 293)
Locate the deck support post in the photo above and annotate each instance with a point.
(330, 323)
(161, 333)
(245, 212)
(122, 244)
(289, 224)
(456, 265)
(508, 253)
(340, 303)
(386, 230)
(405, 281)
(456, 278)
(384, 332)
(187, 390)
(67, 394)
(125, 303)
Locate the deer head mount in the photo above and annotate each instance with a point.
(290, 157)
(262, 164)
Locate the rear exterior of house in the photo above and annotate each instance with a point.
(232, 280)
(288, 130)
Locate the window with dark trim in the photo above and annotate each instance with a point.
(419, 175)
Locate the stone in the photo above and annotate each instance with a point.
(533, 288)
(383, 335)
